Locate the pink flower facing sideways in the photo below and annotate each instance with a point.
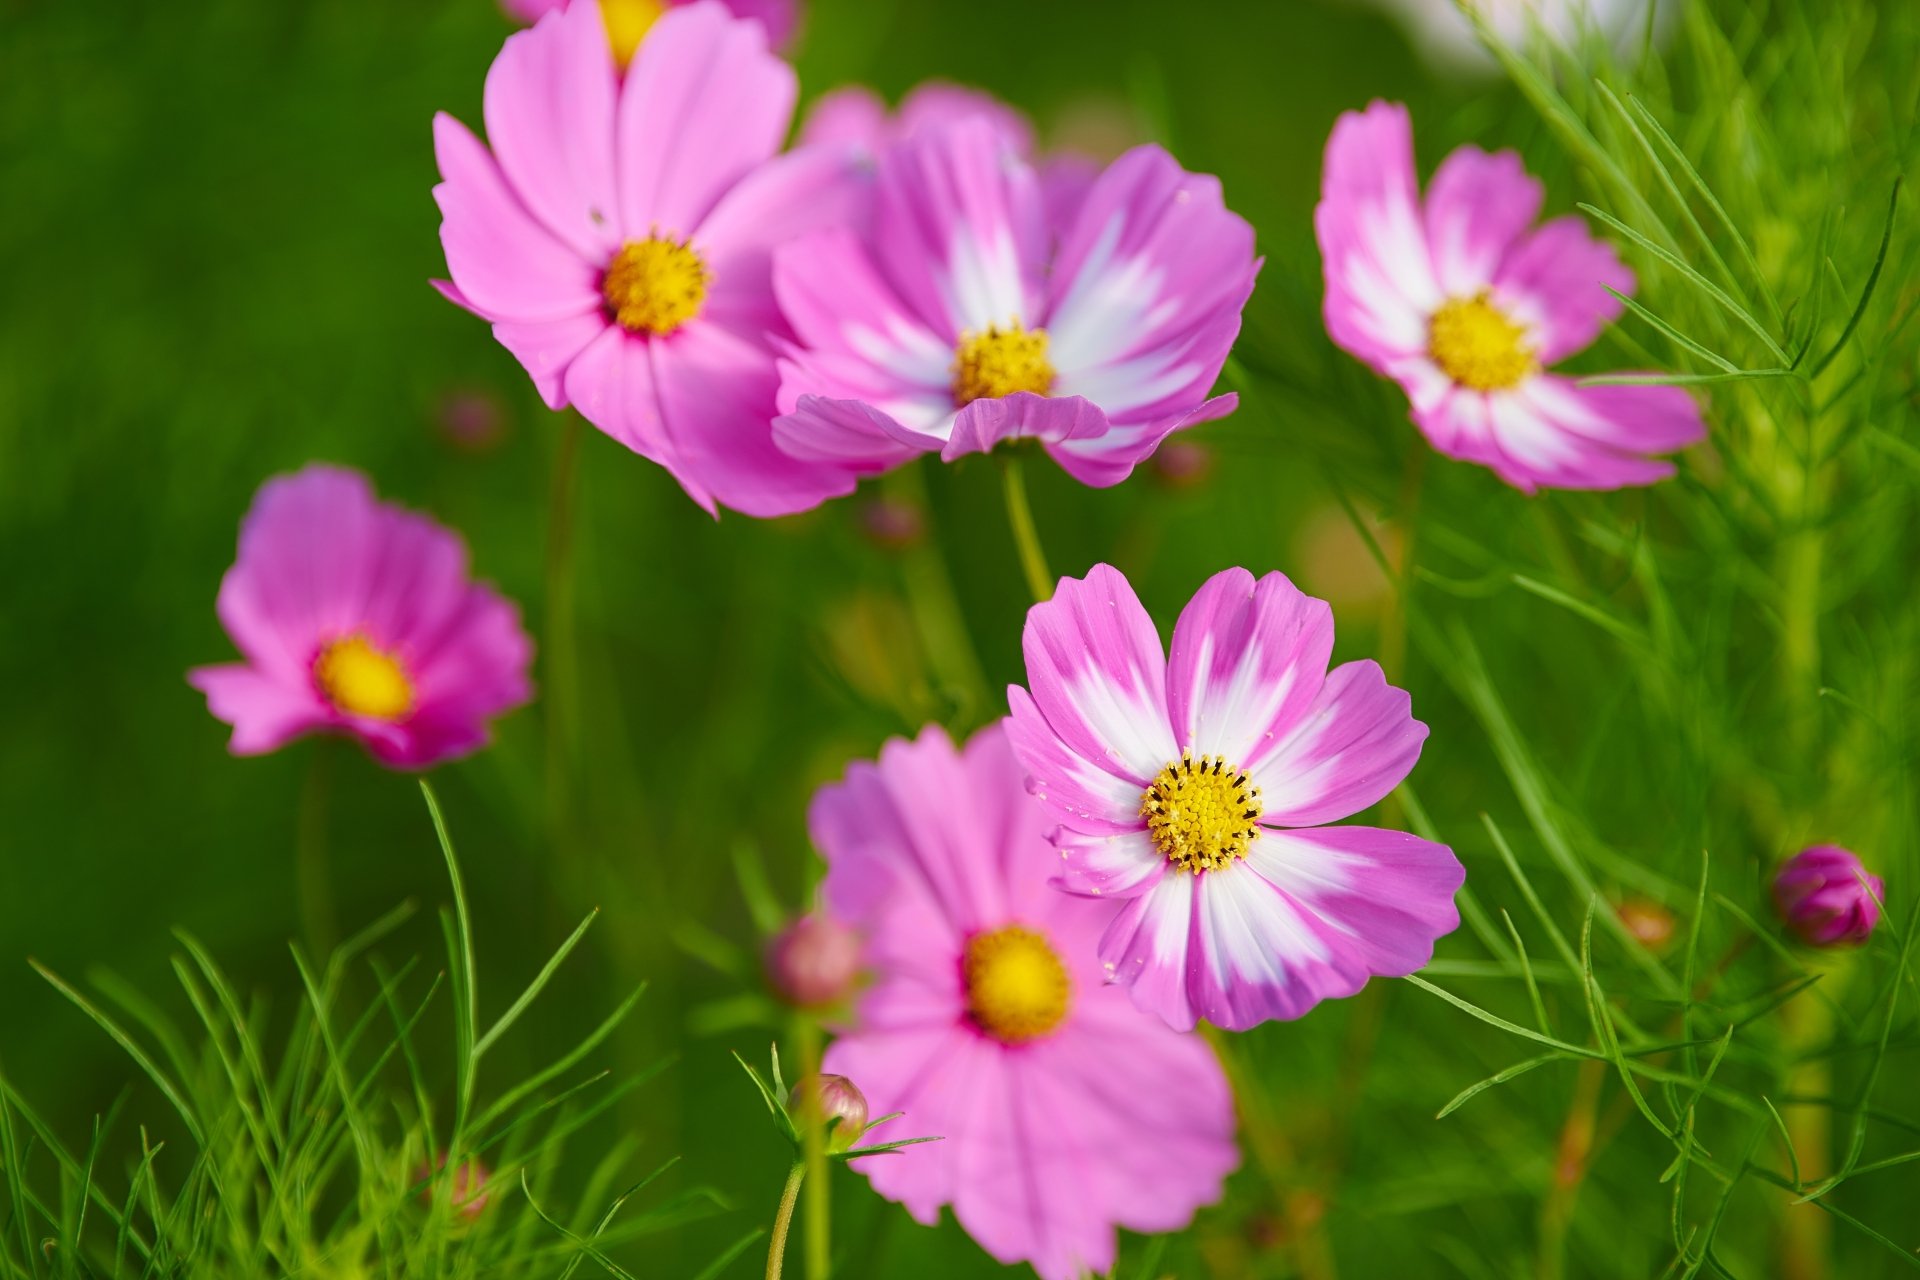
(964, 321)
(359, 618)
(1063, 1112)
(1195, 787)
(618, 236)
(628, 21)
(1460, 299)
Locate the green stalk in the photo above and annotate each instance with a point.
(783, 1220)
(1033, 561)
(813, 1147)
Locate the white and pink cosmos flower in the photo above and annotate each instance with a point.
(1064, 1112)
(619, 237)
(964, 320)
(1460, 299)
(358, 618)
(1197, 786)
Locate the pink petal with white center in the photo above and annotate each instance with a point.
(1085, 795)
(1632, 419)
(1355, 744)
(549, 114)
(1478, 206)
(703, 103)
(266, 713)
(546, 349)
(838, 304)
(504, 262)
(1022, 416)
(1065, 179)
(1246, 665)
(1154, 259)
(1555, 281)
(1098, 675)
(1147, 946)
(1381, 285)
(1537, 449)
(959, 229)
(1377, 899)
(716, 392)
(1121, 864)
(1105, 460)
(782, 201)
(844, 432)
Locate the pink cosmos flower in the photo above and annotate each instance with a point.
(619, 238)
(1464, 303)
(1062, 1111)
(358, 618)
(1196, 786)
(1827, 898)
(963, 322)
(628, 21)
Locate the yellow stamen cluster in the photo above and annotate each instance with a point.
(1476, 345)
(628, 22)
(999, 362)
(1017, 988)
(361, 680)
(655, 285)
(1202, 814)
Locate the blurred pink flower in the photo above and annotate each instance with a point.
(1827, 898)
(1063, 1112)
(619, 238)
(628, 21)
(814, 962)
(358, 618)
(962, 323)
(469, 1193)
(1460, 300)
(1194, 787)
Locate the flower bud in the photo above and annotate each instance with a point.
(469, 1193)
(471, 421)
(892, 525)
(1826, 897)
(1650, 923)
(1182, 464)
(839, 1104)
(814, 962)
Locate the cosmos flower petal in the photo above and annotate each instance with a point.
(1556, 281)
(504, 262)
(1086, 792)
(546, 349)
(1478, 205)
(1106, 460)
(1097, 674)
(1119, 864)
(1632, 419)
(1154, 258)
(959, 229)
(1355, 744)
(704, 102)
(549, 116)
(1535, 446)
(838, 304)
(1065, 179)
(848, 433)
(1147, 948)
(1247, 662)
(1023, 416)
(1381, 285)
(612, 384)
(266, 713)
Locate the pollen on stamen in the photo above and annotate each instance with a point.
(1478, 345)
(999, 361)
(1202, 814)
(1017, 986)
(654, 286)
(360, 679)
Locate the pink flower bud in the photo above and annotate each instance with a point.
(1648, 921)
(1826, 897)
(1182, 464)
(839, 1103)
(471, 421)
(814, 962)
(470, 1196)
(893, 526)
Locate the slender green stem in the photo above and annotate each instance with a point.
(783, 1220)
(813, 1146)
(1033, 561)
(558, 649)
(313, 875)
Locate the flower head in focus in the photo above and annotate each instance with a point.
(629, 21)
(1063, 1111)
(965, 321)
(618, 235)
(1827, 898)
(1460, 299)
(1195, 785)
(359, 618)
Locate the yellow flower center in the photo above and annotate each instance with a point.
(361, 680)
(1202, 814)
(1477, 346)
(1017, 989)
(628, 22)
(999, 362)
(655, 285)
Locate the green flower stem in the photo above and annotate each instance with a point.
(1033, 561)
(312, 873)
(783, 1219)
(559, 655)
(813, 1147)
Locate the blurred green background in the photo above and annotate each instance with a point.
(215, 237)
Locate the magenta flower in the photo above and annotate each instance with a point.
(628, 21)
(1464, 303)
(1063, 1113)
(1827, 898)
(963, 322)
(1196, 788)
(619, 237)
(358, 618)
